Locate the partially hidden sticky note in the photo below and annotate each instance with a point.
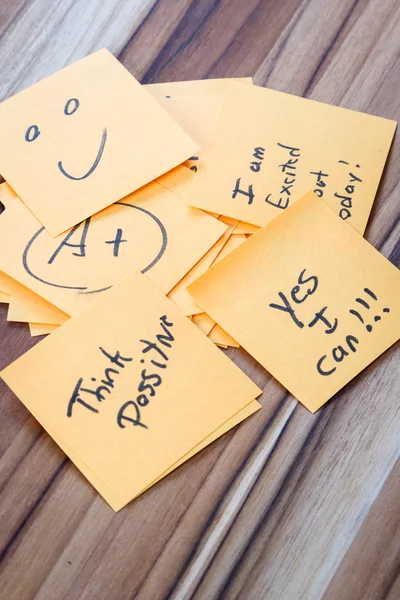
(270, 148)
(22, 310)
(147, 230)
(308, 298)
(220, 337)
(246, 228)
(37, 329)
(7, 194)
(25, 305)
(196, 88)
(121, 371)
(178, 181)
(4, 298)
(179, 294)
(232, 243)
(196, 115)
(203, 322)
(84, 138)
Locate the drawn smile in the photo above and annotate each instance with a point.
(94, 165)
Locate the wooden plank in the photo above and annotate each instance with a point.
(287, 505)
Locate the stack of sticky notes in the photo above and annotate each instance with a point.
(145, 225)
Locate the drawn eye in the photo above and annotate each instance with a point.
(71, 106)
(32, 133)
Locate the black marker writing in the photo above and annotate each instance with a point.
(249, 193)
(306, 286)
(258, 154)
(193, 167)
(83, 230)
(131, 412)
(94, 165)
(105, 387)
(364, 303)
(116, 242)
(66, 242)
(320, 183)
(289, 169)
(32, 133)
(346, 198)
(326, 365)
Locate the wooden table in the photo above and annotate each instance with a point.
(289, 505)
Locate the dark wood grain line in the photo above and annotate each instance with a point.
(387, 234)
(329, 48)
(316, 432)
(248, 19)
(213, 514)
(31, 511)
(163, 60)
(21, 458)
(386, 592)
(225, 491)
(394, 256)
(387, 72)
(138, 29)
(284, 42)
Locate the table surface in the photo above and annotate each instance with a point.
(289, 505)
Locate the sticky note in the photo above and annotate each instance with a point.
(4, 298)
(245, 228)
(25, 305)
(308, 298)
(270, 148)
(7, 194)
(84, 138)
(203, 322)
(153, 230)
(178, 181)
(110, 497)
(232, 243)
(196, 88)
(36, 329)
(220, 337)
(179, 294)
(197, 115)
(22, 310)
(141, 376)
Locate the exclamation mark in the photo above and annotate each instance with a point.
(365, 304)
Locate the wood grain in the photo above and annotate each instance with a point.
(289, 505)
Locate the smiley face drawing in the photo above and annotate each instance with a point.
(83, 139)
(71, 106)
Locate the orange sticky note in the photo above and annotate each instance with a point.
(22, 310)
(84, 138)
(7, 194)
(221, 338)
(121, 371)
(246, 228)
(4, 298)
(232, 243)
(153, 230)
(36, 329)
(196, 88)
(197, 115)
(203, 322)
(26, 306)
(269, 148)
(308, 298)
(179, 294)
(179, 181)
(115, 502)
